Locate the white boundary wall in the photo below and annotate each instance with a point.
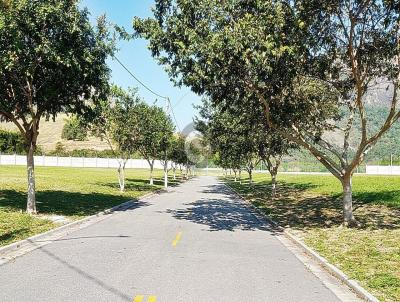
(78, 162)
(383, 170)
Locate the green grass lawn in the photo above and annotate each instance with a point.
(310, 206)
(71, 192)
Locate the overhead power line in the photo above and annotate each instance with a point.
(180, 100)
(173, 115)
(168, 102)
(138, 80)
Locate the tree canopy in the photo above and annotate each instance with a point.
(153, 134)
(52, 60)
(310, 64)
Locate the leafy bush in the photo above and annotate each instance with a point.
(74, 129)
(11, 142)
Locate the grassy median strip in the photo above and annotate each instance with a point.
(310, 206)
(72, 193)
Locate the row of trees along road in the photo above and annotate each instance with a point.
(131, 126)
(241, 140)
(52, 60)
(311, 64)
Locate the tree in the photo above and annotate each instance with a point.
(271, 150)
(178, 154)
(74, 129)
(242, 138)
(51, 60)
(311, 64)
(115, 118)
(166, 146)
(153, 136)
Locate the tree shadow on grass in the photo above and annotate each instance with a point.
(64, 203)
(13, 234)
(296, 208)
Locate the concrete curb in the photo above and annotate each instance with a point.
(22, 247)
(333, 270)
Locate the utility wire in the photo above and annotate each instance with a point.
(173, 115)
(138, 80)
(178, 102)
(149, 89)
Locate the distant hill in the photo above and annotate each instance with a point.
(381, 153)
(50, 135)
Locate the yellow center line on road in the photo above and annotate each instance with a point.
(177, 238)
(138, 299)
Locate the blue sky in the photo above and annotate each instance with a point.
(135, 55)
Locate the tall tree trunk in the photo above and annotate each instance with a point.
(273, 182)
(151, 172)
(273, 167)
(250, 176)
(348, 217)
(174, 170)
(166, 175)
(121, 176)
(31, 199)
(234, 171)
(240, 176)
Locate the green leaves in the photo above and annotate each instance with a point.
(52, 59)
(154, 132)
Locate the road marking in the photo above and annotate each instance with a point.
(177, 238)
(138, 299)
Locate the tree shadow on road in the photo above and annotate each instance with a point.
(140, 185)
(221, 214)
(90, 277)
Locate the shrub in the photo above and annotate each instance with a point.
(74, 129)
(11, 142)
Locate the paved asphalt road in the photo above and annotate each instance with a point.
(196, 243)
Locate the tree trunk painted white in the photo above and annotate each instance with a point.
(348, 217)
(31, 200)
(151, 163)
(174, 171)
(273, 182)
(121, 176)
(166, 175)
(234, 171)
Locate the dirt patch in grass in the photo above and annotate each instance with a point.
(310, 206)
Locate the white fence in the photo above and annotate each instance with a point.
(383, 170)
(79, 162)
